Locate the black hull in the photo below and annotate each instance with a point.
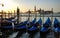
(32, 33)
(44, 34)
(6, 33)
(21, 30)
(5, 28)
(57, 34)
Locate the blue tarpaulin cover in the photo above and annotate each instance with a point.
(33, 21)
(44, 29)
(33, 28)
(57, 29)
(22, 26)
(40, 21)
(48, 22)
(56, 22)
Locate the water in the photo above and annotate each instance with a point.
(13, 35)
(26, 35)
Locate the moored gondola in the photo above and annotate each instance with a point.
(32, 29)
(35, 28)
(8, 24)
(45, 29)
(21, 26)
(56, 28)
(31, 25)
(7, 28)
(39, 22)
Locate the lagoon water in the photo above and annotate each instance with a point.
(24, 17)
(37, 16)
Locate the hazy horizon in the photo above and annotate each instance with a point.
(25, 5)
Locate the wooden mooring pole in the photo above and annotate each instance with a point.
(18, 15)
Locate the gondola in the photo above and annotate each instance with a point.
(39, 22)
(21, 26)
(8, 24)
(31, 24)
(32, 29)
(45, 29)
(35, 28)
(56, 28)
(7, 27)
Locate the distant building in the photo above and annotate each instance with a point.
(40, 11)
(45, 12)
(48, 12)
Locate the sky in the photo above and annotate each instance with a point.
(25, 5)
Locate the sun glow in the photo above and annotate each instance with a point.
(9, 5)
